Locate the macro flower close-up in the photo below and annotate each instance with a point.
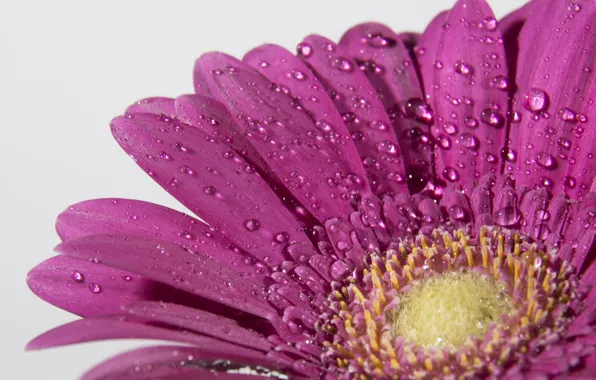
(390, 205)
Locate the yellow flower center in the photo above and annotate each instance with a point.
(443, 311)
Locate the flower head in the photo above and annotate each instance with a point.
(390, 206)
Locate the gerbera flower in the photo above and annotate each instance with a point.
(391, 206)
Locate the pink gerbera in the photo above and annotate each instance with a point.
(391, 206)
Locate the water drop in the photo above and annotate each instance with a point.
(545, 160)
(252, 225)
(342, 64)
(450, 174)
(304, 50)
(377, 40)
(469, 140)
(492, 118)
(416, 108)
(209, 190)
(94, 288)
(298, 75)
(536, 100)
(470, 122)
(444, 142)
(77, 276)
(463, 68)
(450, 128)
(567, 114)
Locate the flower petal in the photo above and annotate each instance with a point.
(426, 54)
(385, 60)
(89, 289)
(117, 327)
(470, 94)
(127, 216)
(174, 265)
(289, 72)
(212, 181)
(286, 137)
(157, 361)
(362, 111)
(556, 85)
(199, 321)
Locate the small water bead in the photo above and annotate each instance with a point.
(545, 160)
(187, 235)
(492, 118)
(575, 7)
(567, 114)
(342, 64)
(165, 156)
(444, 142)
(509, 154)
(450, 128)
(187, 170)
(377, 40)
(516, 117)
(252, 225)
(304, 50)
(536, 100)
(416, 108)
(281, 237)
(490, 158)
(470, 122)
(542, 214)
(450, 174)
(564, 143)
(209, 190)
(95, 288)
(569, 182)
(456, 212)
(77, 276)
(468, 140)
(501, 82)
(463, 68)
(298, 75)
(127, 277)
(490, 23)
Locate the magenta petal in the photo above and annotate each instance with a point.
(156, 106)
(159, 361)
(362, 111)
(470, 95)
(199, 321)
(385, 60)
(285, 136)
(426, 54)
(212, 181)
(289, 72)
(126, 216)
(557, 83)
(174, 265)
(88, 289)
(105, 328)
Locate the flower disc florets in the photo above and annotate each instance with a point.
(448, 304)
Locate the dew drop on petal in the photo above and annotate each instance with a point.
(536, 100)
(252, 225)
(416, 108)
(469, 140)
(450, 174)
(304, 50)
(94, 288)
(545, 160)
(463, 68)
(77, 276)
(492, 118)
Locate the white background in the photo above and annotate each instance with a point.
(68, 67)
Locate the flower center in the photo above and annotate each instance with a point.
(443, 311)
(447, 303)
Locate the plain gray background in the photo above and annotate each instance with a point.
(68, 67)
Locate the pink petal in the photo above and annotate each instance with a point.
(470, 94)
(212, 181)
(289, 72)
(156, 106)
(106, 328)
(89, 289)
(152, 362)
(426, 54)
(174, 265)
(126, 216)
(363, 112)
(286, 137)
(556, 85)
(385, 60)
(199, 321)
